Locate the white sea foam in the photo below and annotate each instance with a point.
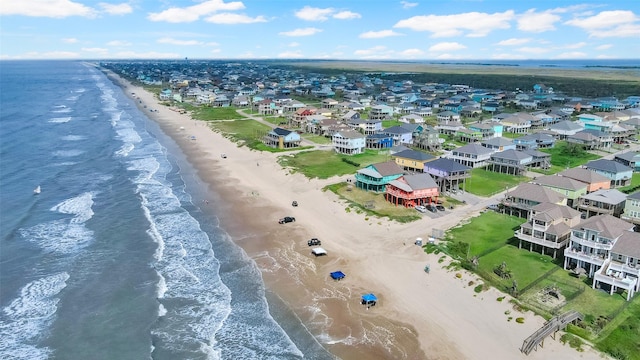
(68, 153)
(61, 110)
(60, 120)
(60, 236)
(161, 287)
(64, 163)
(73, 98)
(29, 316)
(73, 137)
(79, 206)
(162, 311)
(125, 150)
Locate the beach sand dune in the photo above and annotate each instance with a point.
(418, 316)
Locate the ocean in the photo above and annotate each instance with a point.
(114, 259)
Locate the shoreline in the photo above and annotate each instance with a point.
(419, 316)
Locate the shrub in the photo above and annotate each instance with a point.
(459, 275)
(479, 288)
(520, 320)
(470, 283)
(500, 298)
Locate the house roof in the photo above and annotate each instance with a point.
(536, 154)
(447, 165)
(350, 134)
(630, 156)
(584, 175)
(498, 141)
(511, 154)
(634, 196)
(609, 166)
(607, 196)
(561, 182)
(474, 149)
(281, 131)
(414, 182)
(607, 225)
(388, 168)
(535, 193)
(555, 211)
(396, 130)
(628, 244)
(414, 155)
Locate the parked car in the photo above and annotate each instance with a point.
(314, 242)
(440, 208)
(286, 219)
(421, 208)
(432, 208)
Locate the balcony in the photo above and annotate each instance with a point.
(592, 244)
(626, 283)
(624, 267)
(579, 255)
(546, 243)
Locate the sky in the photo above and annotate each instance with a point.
(327, 29)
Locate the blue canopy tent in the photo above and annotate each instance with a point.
(337, 275)
(369, 299)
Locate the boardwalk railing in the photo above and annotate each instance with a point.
(550, 327)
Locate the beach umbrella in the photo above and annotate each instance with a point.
(337, 275)
(369, 298)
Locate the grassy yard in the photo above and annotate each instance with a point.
(610, 322)
(510, 135)
(634, 186)
(373, 204)
(318, 139)
(325, 164)
(244, 132)
(215, 113)
(562, 158)
(481, 233)
(487, 183)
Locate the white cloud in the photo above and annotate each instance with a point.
(346, 15)
(116, 9)
(119, 43)
(604, 47)
(533, 50)
(70, 40)
(215, 51)
(301, 32)
(617, 23)
(571, 55)
(194, 12)
(309, 13)
(411, 53)
(376, 52)
(101, 51)
(507, 57)
(230, 19)
(449, 57)
(513, 42)
(378, 34)
(474, 24)
(576, 45)
(447, 46)
(408, 5)
(290, 54)
(532, 21)
(49, 8)
(145, 55)
(293, 44)
(172, 41)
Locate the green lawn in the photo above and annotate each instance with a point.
(482, 233)
(510, 135)
(562, 158)
(487, 183)
(247, 132)
(325, 164)
(215, 113)
(623, 342)
(635, 184)
(390, 123)
(525, 266)
(318, 139)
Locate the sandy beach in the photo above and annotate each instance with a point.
(418, 316)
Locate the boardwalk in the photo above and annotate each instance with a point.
(550, 327)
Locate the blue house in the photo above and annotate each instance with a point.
(375, 177)
(379, 141)
(282, 138)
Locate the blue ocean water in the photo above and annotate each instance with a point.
(113, 259)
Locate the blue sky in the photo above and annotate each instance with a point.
(299, 29)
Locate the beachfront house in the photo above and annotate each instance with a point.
(548, 228)
(593, 180)
(608, 251)
(610, 201)
(620, 175)
(412, 190)
(630, 159)
(566, 186)
(523, 198)
(348, 142)
(400, 134)
(512, 162)
(564, 129)
(375, 177)
(412, 160)
(448, 174)
(472, 155)
(280, 138)
(632, 209)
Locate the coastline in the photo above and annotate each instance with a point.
(419, 316)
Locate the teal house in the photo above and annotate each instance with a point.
(375, 177)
